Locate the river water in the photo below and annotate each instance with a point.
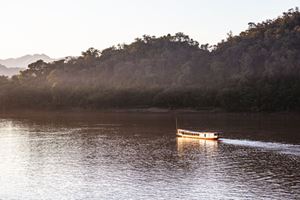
(137, 156)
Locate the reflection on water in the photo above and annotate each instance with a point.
(137, 156)
(187, 145)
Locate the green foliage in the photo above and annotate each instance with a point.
(257, 70)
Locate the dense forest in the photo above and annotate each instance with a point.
(257, 70)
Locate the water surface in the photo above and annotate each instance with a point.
(137, 156)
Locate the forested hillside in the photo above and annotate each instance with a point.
(257, 70)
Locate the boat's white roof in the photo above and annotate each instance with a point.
(195, 132)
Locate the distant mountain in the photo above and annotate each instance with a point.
(24, 61)
(9, 71)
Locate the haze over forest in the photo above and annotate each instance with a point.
(257, 70)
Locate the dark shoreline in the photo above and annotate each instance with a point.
(151, 110)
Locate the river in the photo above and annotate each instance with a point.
(137, 156)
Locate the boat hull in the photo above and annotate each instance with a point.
(197, 137)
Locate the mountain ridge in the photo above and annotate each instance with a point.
(5, 71)
(24, 61)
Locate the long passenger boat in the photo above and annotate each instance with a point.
(197, 134)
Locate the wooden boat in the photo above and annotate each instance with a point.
(197, 134)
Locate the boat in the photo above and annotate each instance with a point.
(196, 134)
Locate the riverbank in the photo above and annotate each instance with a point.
(152, 110)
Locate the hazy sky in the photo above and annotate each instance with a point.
(61, 28)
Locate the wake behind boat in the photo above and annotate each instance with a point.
(197, 134)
